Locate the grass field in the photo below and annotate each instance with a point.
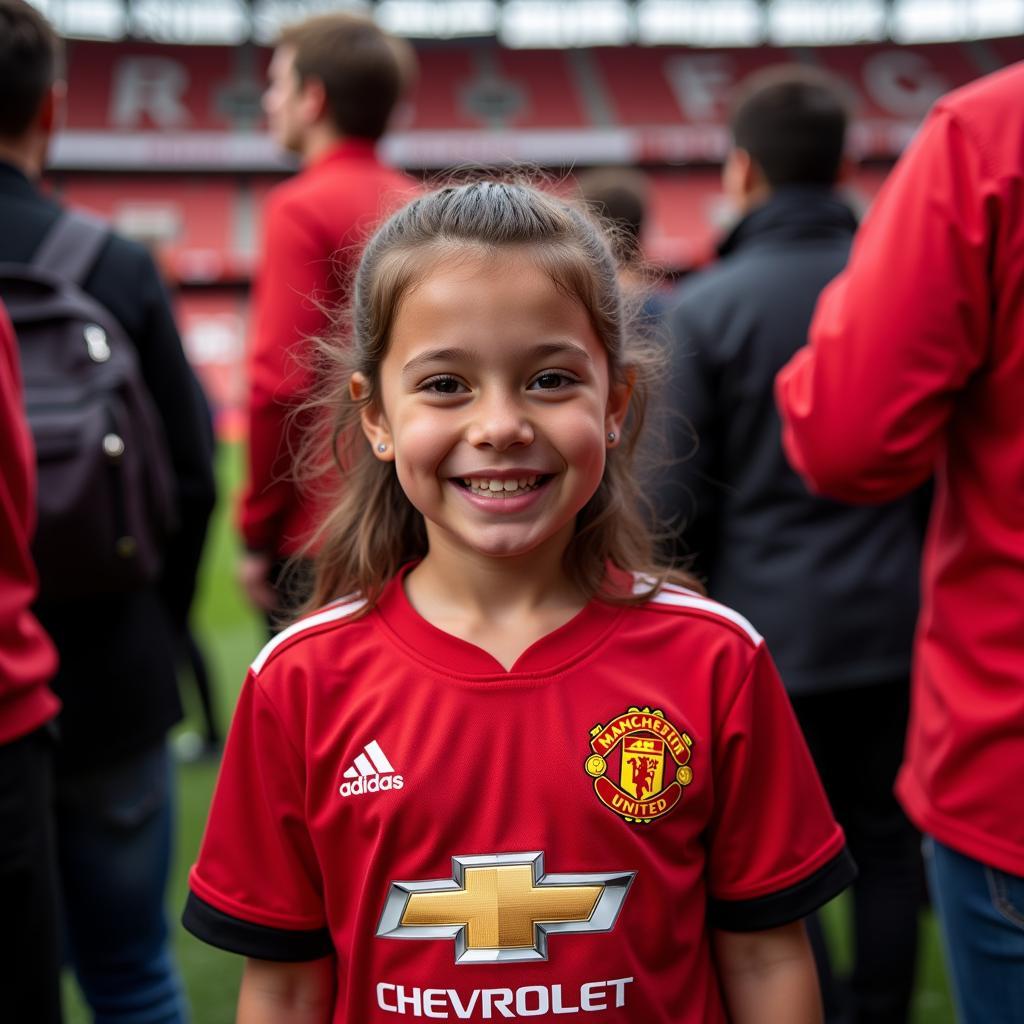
(231, 635)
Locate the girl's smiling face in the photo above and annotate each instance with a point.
(495, 403)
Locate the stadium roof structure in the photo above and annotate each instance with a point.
(562, 24)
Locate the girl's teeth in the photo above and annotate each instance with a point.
(487, 486)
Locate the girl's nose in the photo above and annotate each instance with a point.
(499, 425)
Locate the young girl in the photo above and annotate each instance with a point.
(514, 773)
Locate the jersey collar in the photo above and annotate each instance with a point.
(347, 149)
(451, 655)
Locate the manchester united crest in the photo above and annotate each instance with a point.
(652, 757)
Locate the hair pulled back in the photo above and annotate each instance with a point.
(373, 528)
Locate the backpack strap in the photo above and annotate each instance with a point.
(72, 246)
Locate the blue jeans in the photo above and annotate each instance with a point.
(114, 828)
(981, 911)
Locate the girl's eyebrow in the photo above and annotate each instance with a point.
(542, 350)
(434, 355)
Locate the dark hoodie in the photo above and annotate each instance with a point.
(833, 588)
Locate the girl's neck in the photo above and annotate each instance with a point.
(483, 586)
(502, 605)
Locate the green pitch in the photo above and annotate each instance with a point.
(231, 634)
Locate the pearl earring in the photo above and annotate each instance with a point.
(382, 448)
(611, 436)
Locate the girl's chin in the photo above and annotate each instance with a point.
(501, 544)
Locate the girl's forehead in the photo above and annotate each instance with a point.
(469, 259)
(503, 283)
(491, 270)
(493, 304)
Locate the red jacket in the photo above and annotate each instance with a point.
(916, 366)
(314, 226)
(27, 658)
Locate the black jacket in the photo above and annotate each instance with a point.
(118, 655)
(833, 588)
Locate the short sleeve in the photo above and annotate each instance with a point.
(776, 852)
(256, 888)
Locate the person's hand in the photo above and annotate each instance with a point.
(254, 578)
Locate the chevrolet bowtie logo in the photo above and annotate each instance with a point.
(502, 907)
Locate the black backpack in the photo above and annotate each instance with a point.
(106, 496)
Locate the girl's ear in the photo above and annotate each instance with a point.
(371, 416)
(619, 395)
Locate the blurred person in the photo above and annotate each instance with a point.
(916, 367)
(834, 588)
(335, 80)
(207, 744)
(30, 943)
(620, 196)
(118, 651)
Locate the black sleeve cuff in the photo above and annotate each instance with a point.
(792, 904)
(256, 940)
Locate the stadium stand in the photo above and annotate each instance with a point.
(168, 140)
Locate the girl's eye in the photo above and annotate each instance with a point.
(551, 381)
(443, 385)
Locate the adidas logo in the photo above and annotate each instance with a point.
(370, 772)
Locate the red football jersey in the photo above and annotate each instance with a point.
(555, 840)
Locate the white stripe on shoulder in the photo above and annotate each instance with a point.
(679, 597)
(329, 613)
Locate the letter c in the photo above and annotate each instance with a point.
(381, 987)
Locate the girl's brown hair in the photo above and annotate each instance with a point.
(373, 528)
